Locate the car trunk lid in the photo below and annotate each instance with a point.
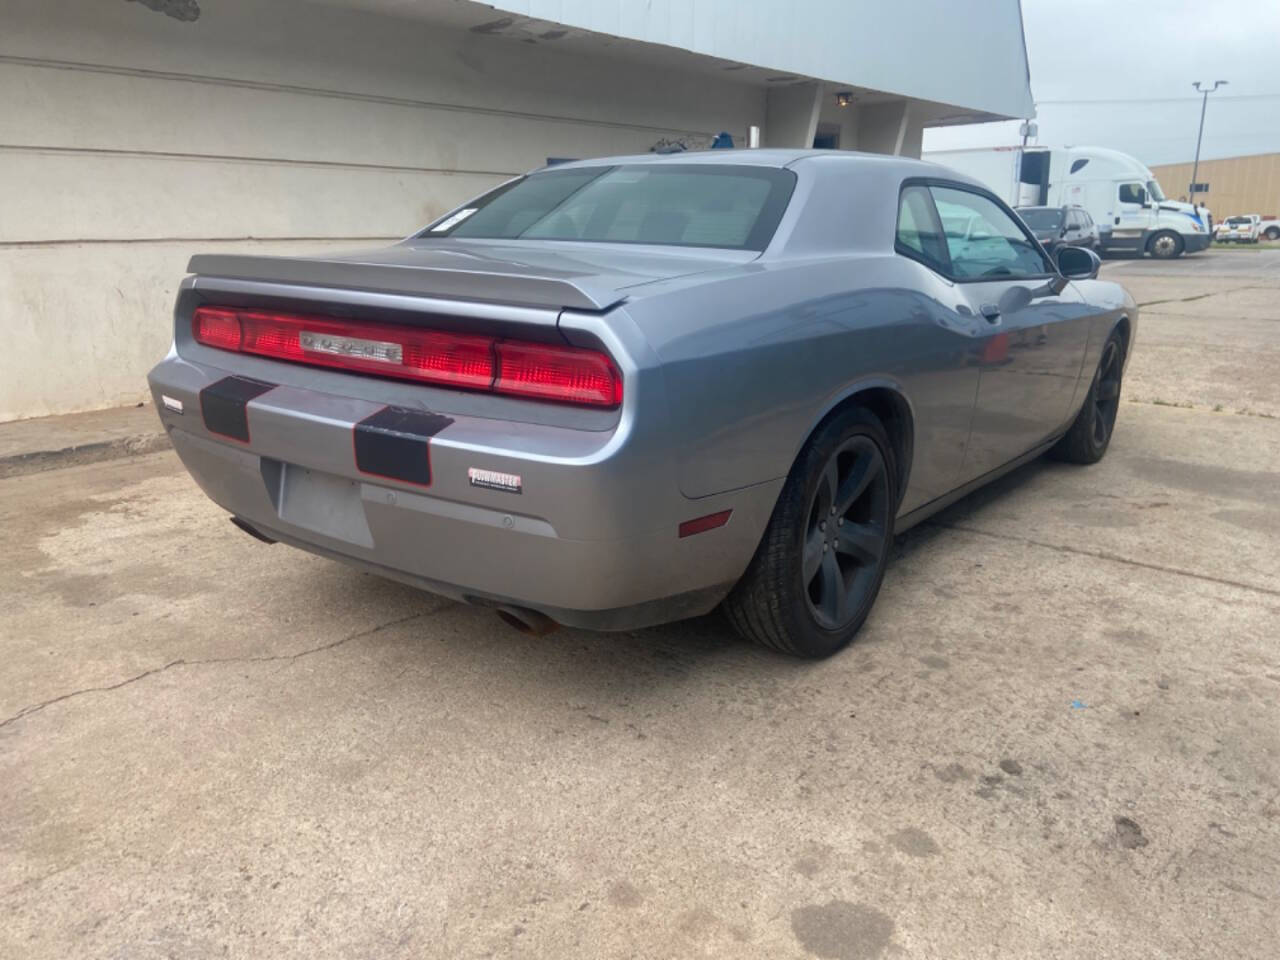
(550, 275)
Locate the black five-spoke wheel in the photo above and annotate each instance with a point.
(845, 534)
(1106, 396)
(819, 565)
(1090, 434)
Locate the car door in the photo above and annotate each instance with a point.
(1089, 232)
(1076, 233)
(1070, 227)
(1033, 333)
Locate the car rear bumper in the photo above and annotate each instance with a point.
(591, 539)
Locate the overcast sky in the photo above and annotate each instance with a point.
(1118, 73)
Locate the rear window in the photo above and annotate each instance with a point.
(685, 205)
(1041, 219)
(1239, 222)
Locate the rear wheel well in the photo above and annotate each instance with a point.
(891, 408)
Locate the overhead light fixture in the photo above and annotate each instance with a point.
(844, 98)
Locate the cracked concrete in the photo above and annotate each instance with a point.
(1211, 331)
(1058, 736)
(37, 707)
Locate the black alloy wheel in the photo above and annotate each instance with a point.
(1090, 433)
(844, 540)
(1106, 396)
(822, 558)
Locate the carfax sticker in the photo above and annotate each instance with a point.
(454, 220)
(494, 480)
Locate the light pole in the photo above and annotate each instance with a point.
(1204, 103)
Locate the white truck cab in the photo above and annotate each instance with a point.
(1119, 192)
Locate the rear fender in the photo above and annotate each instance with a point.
(837, 399)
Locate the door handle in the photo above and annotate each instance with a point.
(991, 312)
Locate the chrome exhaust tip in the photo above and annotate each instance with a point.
(526, 621)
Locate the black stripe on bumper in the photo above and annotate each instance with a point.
(224, 405)
(395, 443)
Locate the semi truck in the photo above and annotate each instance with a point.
(1120, 194)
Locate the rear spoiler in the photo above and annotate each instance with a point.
(487, 286)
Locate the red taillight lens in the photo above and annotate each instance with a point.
(557, 373)
(541, 371)
(462, 361)
(216, 327)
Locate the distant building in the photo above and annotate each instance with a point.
(133, 134)
(1236, 184)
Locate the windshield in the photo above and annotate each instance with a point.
(687, 205)
(1042, 218)
(1154, 190)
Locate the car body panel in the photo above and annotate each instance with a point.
(730, 359)
(1029, 363)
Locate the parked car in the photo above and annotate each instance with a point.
(624, 391)
(1242, 229)
(1054, 226)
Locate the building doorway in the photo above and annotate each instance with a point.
(827, 137)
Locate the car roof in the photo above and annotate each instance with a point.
(766, 157)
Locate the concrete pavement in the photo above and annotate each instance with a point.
(1058, 735)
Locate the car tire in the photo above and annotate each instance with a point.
(820, 563)
(1273, 233)
(1164, 245)
(1090, 434)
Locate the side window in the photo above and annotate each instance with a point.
(1132, 193)
(918, 231)
(983, 240)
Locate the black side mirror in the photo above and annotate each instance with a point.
(1077, 263)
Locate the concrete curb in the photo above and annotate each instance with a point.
(37, 461)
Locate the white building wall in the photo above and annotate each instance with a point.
(130, 140)
(964, 52)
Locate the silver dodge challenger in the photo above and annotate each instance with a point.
(618, 392)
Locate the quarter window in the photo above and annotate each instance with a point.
(919, 234)
(982, 240)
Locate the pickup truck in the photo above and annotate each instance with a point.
(1242, 229)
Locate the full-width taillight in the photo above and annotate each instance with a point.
(540, 371)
